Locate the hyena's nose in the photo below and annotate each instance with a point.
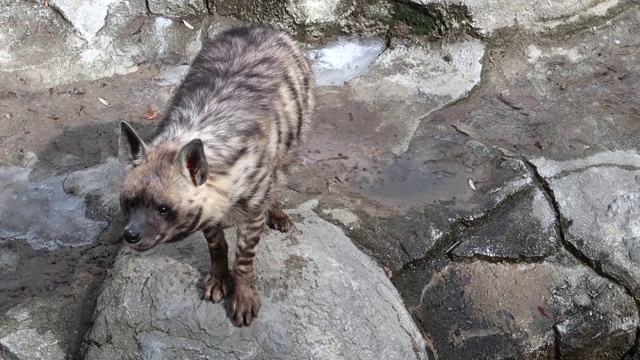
(130, 236)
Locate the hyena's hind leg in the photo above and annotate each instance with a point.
(245, 303)
(276, 218)
(217, 283)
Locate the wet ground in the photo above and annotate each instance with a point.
(458, 174)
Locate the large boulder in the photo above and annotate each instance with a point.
(321, 298)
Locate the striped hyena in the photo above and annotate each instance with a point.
(220, 155)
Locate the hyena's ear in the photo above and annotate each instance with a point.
(132, 148)
(191, 162)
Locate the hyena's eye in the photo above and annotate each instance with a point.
(163, 210)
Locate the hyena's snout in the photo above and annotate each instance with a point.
(131, 236)
(137, 232)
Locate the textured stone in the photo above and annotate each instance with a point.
(94, 40)
(524, 228)
(321, 298)
(177, 8)
(491, 15)
(501, 311)
(86, 16)
(26, 334)
(601, 206)
(100, 185)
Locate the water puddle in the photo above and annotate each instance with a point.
(432, 171)
(41, 213)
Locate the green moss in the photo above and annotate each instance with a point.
(419, 21)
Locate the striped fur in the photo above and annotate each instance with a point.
(221, 154)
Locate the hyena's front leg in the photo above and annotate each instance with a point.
(276, 218)
(217, 284)
(245, 303)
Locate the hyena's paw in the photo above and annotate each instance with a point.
(245, 304)
(217, 288)
(279, 220)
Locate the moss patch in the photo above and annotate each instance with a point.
(420, 22)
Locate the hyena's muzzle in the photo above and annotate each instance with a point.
(139, 233)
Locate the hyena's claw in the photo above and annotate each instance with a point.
(245, 305)
(278, 220)
(216, 288)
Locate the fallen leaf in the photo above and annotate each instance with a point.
(543, 311)
(187, 24)
(53, 117)
(8, 95)
(104, 102)
(471, 185)
(151, 115)
(388, 272)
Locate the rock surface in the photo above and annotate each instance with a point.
(177, 8)
(322, 298)
(492, 15)
(503, 311)
(65, 223)
(524, 228)
(600, 205)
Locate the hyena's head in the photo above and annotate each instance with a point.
(164, 193)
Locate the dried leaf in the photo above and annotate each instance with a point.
(187, 24)
(471, 185)
(543, 311)
(104, 102)
(53, 117)
(151, 115)
(388, 272)
(8, 95)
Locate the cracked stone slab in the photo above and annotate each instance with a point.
(418, 77)
(316, 286)
(91, 40)
(491, 15)
(502, 311)
(522, 229)
(434, 198)
(548, 168)
(601, 207)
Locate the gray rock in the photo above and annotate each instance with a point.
(100, 39)
(501, 311)
(8, 258)
(601, 206)
(25, 335)
(524, 228)
(31, 344)
(491, 15)
(87, 17)
(100, 185)
(322, 298)
(63, 222)
(551, 168)
(177, 8)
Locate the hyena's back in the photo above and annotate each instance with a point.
(249, 97)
